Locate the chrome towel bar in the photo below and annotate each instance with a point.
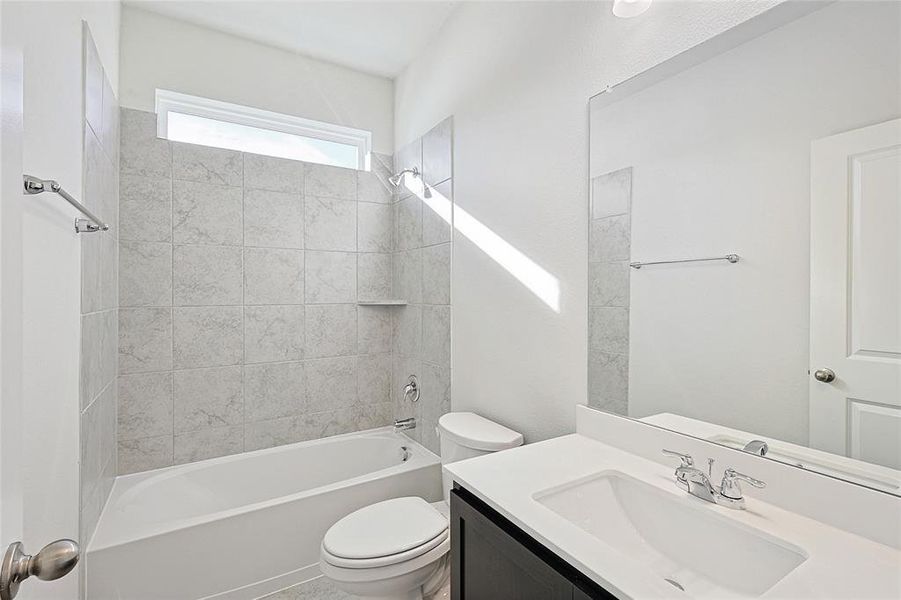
(34, 185)
(732, 258)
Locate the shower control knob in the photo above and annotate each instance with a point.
(824, 375)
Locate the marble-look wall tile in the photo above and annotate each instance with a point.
(330, 182)
(437, 215)
(205, 164)
(408, 330)
(331, 330)
(436, 334)
(374, 378)
(208, 398)
(611, 194)
(374, 274)
(207, 336)
(207, 275)
(374, 329)
(141, 151)
(93, 85)
(267, 258)
(109, 128)
(608, 284)
(98, 361)
(375, 228)
(145, 339)
(326, 380)
(330, 277)
(208, 443)
(145, 208)
(274, 390)
(408, 275)
(273, 333)
(610, 239)
(408, 219)
(273, 276)
(91, 273)
(608, 380)
(373, 186)
(273, 219)
(436, 273)
(145, 405)
(330, 224)
(273, 174)
(436, 401)
(437, 153)
(146, 274)
(109, 272)
(608, 329)
(206, 214)
(144, 454)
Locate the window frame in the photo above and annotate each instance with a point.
(167, 100)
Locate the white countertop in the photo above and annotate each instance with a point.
(840, 564)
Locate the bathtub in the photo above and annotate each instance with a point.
(241, 526)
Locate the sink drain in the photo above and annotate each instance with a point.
(674, 583)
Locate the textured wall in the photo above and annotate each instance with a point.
(423, 218)
(609, 246)
(99, 304)
(239, 281)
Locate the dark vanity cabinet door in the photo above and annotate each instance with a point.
(494, 560)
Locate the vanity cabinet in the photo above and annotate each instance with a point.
(492, 559)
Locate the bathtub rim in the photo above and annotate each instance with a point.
(421, 458)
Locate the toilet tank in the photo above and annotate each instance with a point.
(465, 435)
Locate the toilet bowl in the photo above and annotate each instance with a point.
(398, 549)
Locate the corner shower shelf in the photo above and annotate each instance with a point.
(389, 302)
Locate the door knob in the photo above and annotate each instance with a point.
(55, 560)
(824, 375)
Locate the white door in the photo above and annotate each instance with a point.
(30, 510)
(11, 68)
(855, 319)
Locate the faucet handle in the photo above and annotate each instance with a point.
(730, 487)
(686, 459)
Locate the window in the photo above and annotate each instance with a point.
(194, 120)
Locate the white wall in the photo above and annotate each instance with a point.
(517, 78)
(159, 52)
(51, 280)
(723, 166)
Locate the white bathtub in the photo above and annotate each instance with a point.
(238, 527)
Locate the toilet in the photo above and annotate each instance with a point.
(398, 549)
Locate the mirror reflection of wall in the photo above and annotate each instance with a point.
(781, 150)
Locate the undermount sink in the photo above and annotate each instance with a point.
(686, 543)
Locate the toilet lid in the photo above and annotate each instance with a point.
(385, 528)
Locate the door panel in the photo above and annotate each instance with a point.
(855, 322)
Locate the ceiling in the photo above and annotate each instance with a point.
(376, 37)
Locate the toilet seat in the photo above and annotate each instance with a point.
(385, 561)
(386, 533)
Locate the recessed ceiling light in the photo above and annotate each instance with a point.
(625, 9)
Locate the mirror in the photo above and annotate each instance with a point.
(745, 241)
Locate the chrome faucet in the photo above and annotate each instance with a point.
(758, 447)
(404, 424)
(697, 483)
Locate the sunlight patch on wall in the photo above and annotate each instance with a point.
(537, 280)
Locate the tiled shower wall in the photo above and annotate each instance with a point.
(422, 276)
(608, 300)
(98, 291)
(239, 327)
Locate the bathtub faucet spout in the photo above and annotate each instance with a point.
(404, 424)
